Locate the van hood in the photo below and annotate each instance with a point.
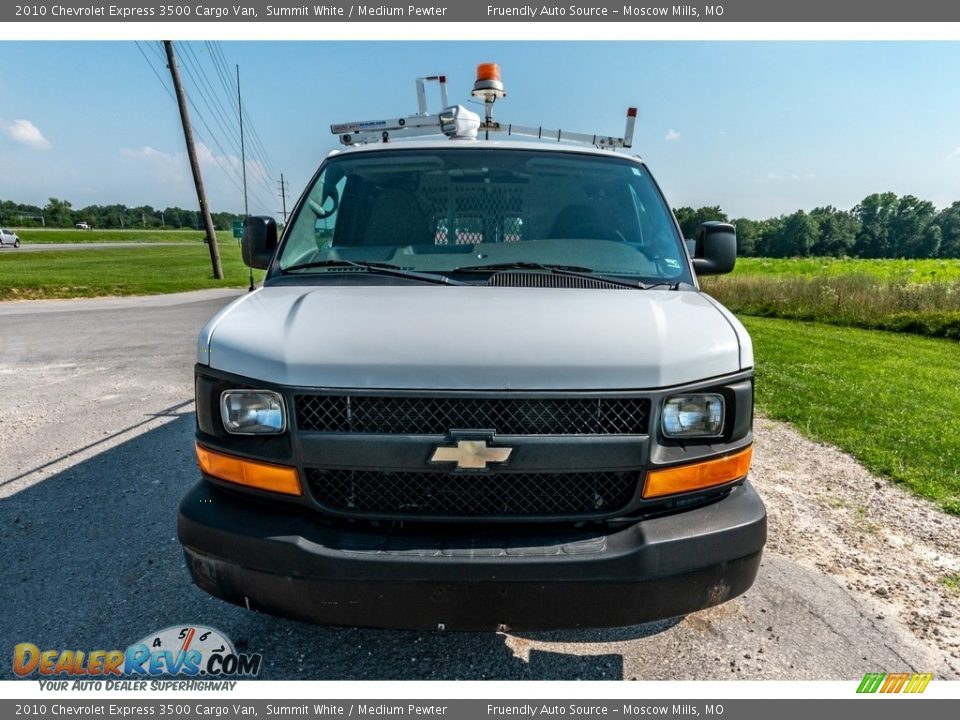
(475, 338)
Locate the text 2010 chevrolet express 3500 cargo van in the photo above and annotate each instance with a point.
(479, 389)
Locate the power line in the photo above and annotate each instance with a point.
(196, 75)
(258, 151)
(223, 102)
(243, 157)
(218, 56)
(160, 79)
(203, 121)
(257, 155)
(209, 104)
(258, 143)
(206, 91)
(159, 53)
(216, 142)
(220, 65)
(213, 136)
(209, 135)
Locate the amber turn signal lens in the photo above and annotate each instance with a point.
(262, 476)
(488, 71)
(697, 476)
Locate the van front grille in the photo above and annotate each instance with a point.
(505, 416)
(448, 494)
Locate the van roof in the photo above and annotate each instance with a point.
(469, 144)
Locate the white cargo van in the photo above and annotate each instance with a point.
(479, 389)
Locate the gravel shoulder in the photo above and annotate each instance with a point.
(851, 582)
(890, 549)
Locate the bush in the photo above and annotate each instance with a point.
(855, 299)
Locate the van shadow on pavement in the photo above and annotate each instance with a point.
(92, 562)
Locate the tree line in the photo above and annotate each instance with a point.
(882, 225)
(59, 213)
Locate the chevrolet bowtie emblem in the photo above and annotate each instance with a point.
(471, 454)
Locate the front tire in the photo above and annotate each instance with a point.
(16, 243)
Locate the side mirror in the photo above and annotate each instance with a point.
(259, 241)
(716, 248)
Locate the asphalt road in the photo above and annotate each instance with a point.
(96, 451)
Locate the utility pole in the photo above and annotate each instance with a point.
(194, 165)
(243, 154)
(283, 197)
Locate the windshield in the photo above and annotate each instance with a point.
(458, 210)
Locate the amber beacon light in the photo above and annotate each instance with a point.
(488, 86)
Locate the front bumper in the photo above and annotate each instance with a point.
(458, 578)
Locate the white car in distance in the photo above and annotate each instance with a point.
(9, 237)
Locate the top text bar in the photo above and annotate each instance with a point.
(898, 11)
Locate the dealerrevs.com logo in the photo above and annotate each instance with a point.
(190, 652)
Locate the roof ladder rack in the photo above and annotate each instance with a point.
(457, 122)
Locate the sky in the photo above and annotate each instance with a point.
(758, 128)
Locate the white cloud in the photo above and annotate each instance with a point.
(955, 153)
(25, 133)
(671, 135)
(222, 175)
(145, 152)
(148, 153)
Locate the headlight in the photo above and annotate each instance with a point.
(252, 412)
(693, 416)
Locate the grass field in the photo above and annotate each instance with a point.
(904, 271)
(59, 235)
(120, 271)
(913, 296)
(890, 400)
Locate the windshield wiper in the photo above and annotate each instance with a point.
(570, 270)
(378, 268)
(521, 265)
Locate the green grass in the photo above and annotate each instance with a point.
(58, 235)
(951, 581)
(120, 271)
(902, 271)
(888, 399)
(913, 296)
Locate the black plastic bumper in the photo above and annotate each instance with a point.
(255, 555)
